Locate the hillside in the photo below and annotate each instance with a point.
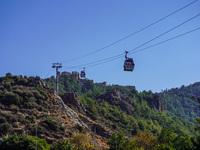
(178, 101)
(28, 105)
(122, 107)
(31, 106)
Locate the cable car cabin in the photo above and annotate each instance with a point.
(129, 64)
(82, 74)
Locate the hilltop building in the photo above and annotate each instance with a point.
(75, 75)
(105, 83)
(66, 73)
(131, 87)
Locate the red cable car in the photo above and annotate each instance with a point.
(128, 63)
(83, 74)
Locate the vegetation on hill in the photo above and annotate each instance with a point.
(178, 101)
(132, 117)
(166, 140)
(134, 120)
(24, 107)
(83, 86)
(28, 106)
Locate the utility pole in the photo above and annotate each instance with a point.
(36, 138)
(57, 65)
(94, 137)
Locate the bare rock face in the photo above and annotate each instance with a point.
(157, 103)
(114, 98)
(71, 98)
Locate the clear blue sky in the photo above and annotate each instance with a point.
(34, 34)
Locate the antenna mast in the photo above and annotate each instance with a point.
(57, 65)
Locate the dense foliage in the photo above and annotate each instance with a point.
(140, 116)
(178, 101)
(20, 100)
(83, 86)
(20, 91)
(22, 142)
(27, 142)
(137, 115)
(166, 140)
(143, 117)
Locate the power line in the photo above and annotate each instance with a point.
(48, 72)
(166, 32)
(175, 37)
(159, 20)
(102, 60)
(119, 56)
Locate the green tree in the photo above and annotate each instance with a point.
(11, 98)
(166, 136)
(81, 141)
(196, 141)
(144, 140)
(118, 142)
(179, 142)
(63, 145)
(5, 127)
(23, 142)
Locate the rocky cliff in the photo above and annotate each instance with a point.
(157, 102)
(126, 104)
(71, 99)
(114, 98)
(31, 106)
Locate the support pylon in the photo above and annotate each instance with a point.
(57, 65)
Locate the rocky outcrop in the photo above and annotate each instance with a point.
(157, 102)
(71, 99)
(114, 98)
(36, 80)
(47, 113)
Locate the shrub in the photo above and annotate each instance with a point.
(23, 81)
(10, 98)
(41, 108)
(23, 142)
(81, 141)
(7, 85)
(16, 109)
(1, 87)
(29, 105)
(26, 122)
(51, 123)
(2, 120)
(63, 145)
(38, 95)
(21, 118)
(39, 101)
(18, 91)
(9, 75)
(9, 117)
(40, 129)
(16, 78)
(144, 140)
(31, 118)
(5, 128)
(27, 92)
